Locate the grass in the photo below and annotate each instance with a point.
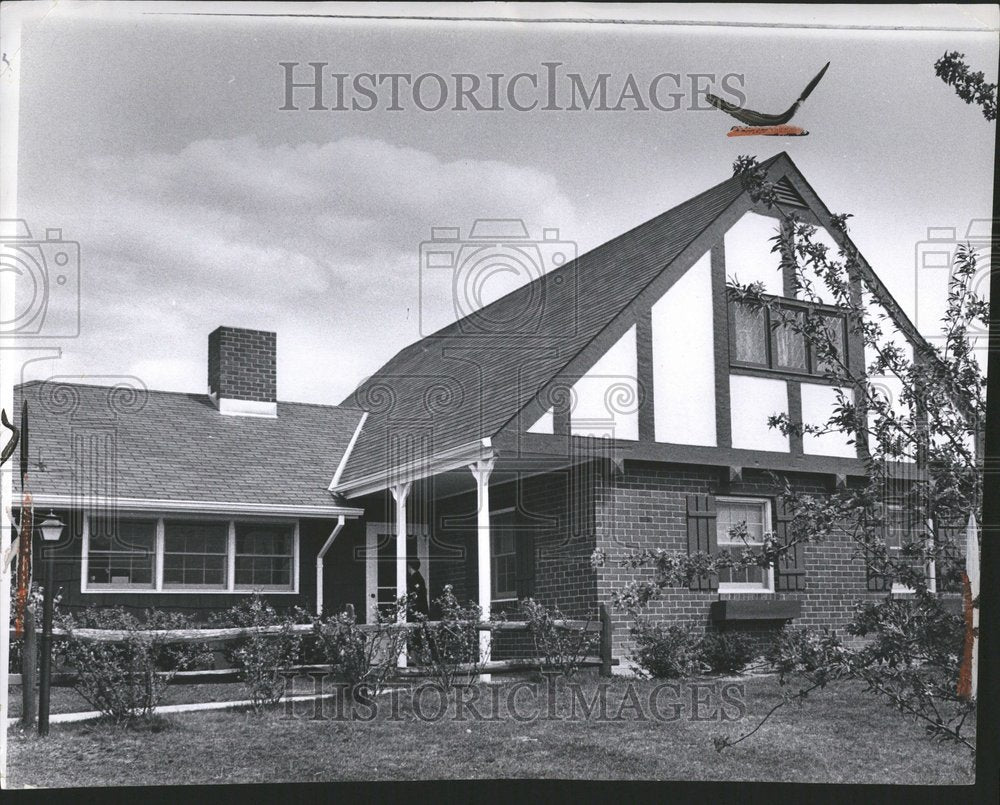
(838, 735)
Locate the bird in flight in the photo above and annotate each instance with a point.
(761, 119)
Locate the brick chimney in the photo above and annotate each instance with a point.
(242, 371)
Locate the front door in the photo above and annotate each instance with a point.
(380, 564)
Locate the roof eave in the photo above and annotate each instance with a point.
(94, 502)
(451, 459)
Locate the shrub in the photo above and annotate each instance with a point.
(561, 650)
(363, 658)
(662, 651)
(261, 656)
(802, 650)
(449, 646)
(726, 653)
(125, 679)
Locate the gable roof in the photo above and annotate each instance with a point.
(175, 447)
(466, 381)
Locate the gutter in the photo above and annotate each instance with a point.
(194, 506)
(319, 563)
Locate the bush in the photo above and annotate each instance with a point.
(363, 658)
(560, 650)
(261, 656)
(726, 653)
(126, 679)
(664, 652)
(802, 651)
(449, 647)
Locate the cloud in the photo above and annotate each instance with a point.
(319, 242)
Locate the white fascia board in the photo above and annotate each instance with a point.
(451, 459)
(347, 452)
(192, 506)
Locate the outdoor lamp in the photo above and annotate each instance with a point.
(51, 528)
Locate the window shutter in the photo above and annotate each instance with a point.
(790, 570)
(702, 537)
(877, 582)
(525, 563)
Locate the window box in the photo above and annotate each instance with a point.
(766, 609)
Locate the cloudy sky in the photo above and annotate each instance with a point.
(158, 143)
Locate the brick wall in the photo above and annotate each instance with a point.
(242, 364)
(645, 507)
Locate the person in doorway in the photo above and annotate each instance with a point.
(416, 590)
(418, 608)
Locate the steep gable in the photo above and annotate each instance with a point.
(475, 379)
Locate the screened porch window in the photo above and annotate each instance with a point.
(122, 554)
(195, 555)
(209, 555)
(264, 555)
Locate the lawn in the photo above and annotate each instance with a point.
(838, 735)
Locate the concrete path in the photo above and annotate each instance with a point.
(67, 718)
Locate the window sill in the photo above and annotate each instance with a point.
(759, 610)
(781, 374)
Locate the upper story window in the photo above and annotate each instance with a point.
(759, 338)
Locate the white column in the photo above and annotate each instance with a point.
(399, 493)
(481, 471)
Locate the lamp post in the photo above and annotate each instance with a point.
(51, 528)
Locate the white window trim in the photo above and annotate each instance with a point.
(767, 588)
(159, 589)
(373, 529)
(930, 568)
(505, 598)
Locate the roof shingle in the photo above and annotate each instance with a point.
(104, 441)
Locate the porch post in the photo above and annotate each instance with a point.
(481, 471)
(399, 493)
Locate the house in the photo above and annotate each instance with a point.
(619, 400)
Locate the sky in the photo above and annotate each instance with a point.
(157, 142)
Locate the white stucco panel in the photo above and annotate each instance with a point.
(748, 252)
(886, 385)
(752, 401)
(684, 360)
(606, 399)
(545, 423)
(818, 402)
(817, 284)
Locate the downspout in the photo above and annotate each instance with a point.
(319, 563)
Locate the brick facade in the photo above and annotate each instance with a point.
(242, 364)
(644, 506)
